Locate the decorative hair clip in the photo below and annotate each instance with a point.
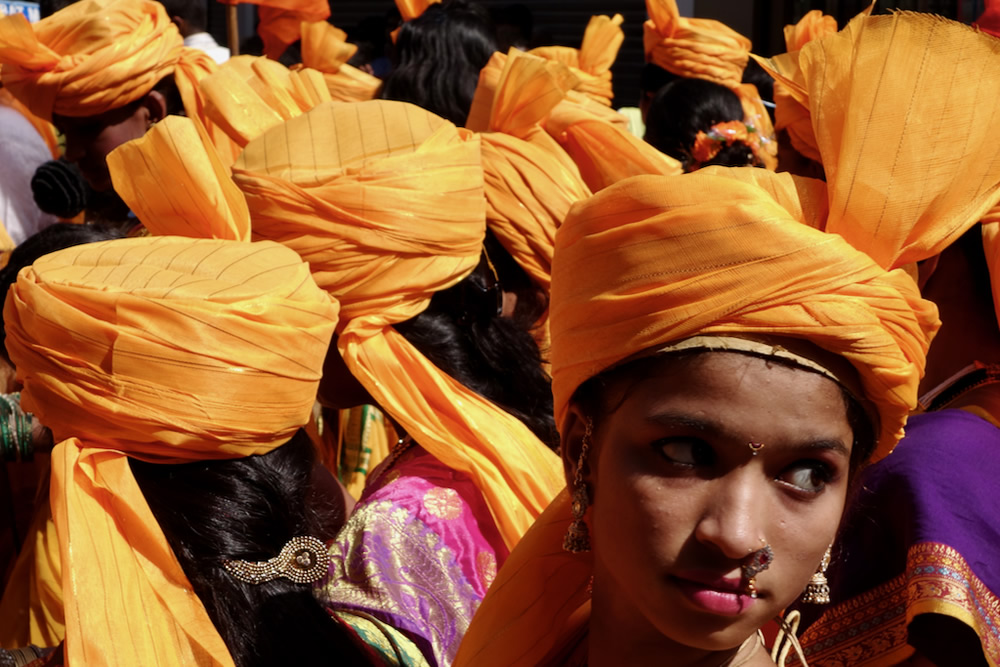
(708, 144)
(302, 560)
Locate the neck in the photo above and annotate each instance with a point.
(619, 634)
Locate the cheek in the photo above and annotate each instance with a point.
(113, 136)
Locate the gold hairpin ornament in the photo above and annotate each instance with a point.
(302, 560)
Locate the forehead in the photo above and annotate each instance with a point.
(742, 392)
(112, 117)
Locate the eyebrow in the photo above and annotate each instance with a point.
(673, 419)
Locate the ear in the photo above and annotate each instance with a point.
(156, 106)
(572, 443)
(182, 24)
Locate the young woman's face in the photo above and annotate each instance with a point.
(679, 500)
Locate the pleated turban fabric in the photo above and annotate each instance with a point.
(386, 202)
(694, 48)
(97, 55)
(654, 260)
(592, 62)
(168, 350)
(910, 160)
(325, 49)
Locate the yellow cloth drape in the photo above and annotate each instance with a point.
(910, 166)
(694, 48)
(385, 201)
(653, 260)
(592, 62)
(157, 349)
(176, 184)
(281, 26)
(248, 95)
(31, 611)
(95, 56)
(411, 9)
(325, 49)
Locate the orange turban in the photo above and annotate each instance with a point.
(694, 48)
(385, 201)
(95, 56)
(814, 25)
(411, 9)
(280, 27)
(910, 165)
(249, 94)
(611, 300)
(325, 49)
(593, 60)
(157, 349)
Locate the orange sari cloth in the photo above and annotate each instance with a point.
(611, 301)
(385, 201)
(95, 56)
(325, 49)
(910, 166)
(592, 62)
(156, 349)
(694, 48)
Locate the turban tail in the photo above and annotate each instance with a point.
(386, 203)
(657, 259)
(910, 166)
(592, 62)
(694, 48)
(281, 26)
(95, 56)
(157, 349)
(325, 49)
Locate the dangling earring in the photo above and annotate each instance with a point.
(577, 538)
(818, 590)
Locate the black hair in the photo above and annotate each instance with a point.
(248, 508)
(59, 189)
(686, 107)
(591, 397)
(52, 238)
(440, 54)
(764, 83)
(463, 333)
(47, 8)
(652, 78)
(192, 11)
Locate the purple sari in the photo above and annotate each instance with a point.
(418, 553)
(919, 558)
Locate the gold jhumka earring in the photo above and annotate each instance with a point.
(818, 589)
(577, 538)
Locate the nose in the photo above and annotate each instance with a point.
(734, 519)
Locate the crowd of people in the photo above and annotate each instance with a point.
(449, 361)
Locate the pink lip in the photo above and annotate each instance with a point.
(719, 595)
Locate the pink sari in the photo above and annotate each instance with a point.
(418, 553)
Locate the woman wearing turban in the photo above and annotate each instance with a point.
(187, 532)
(103, 71)
(386, 203)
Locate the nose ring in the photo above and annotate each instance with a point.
(756, 562)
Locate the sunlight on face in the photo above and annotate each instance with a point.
(680, 500)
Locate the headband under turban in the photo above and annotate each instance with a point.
(654, 260)
(168, 350)
(385, 201)
(694, 48)
(95, 56)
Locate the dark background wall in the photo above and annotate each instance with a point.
(563, 21)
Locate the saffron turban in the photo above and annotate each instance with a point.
(694, 48)
(411, 9)
(95, 56)
(910, 166)
(654, 260)
(161, 349)
(385, 201)
(325, 49)
(592, 62)
(281, 23)
(248, 95)
(814, 25)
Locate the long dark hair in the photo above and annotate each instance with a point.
(440, 54)
(248, 508)
(686, 107)
(464, 334)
